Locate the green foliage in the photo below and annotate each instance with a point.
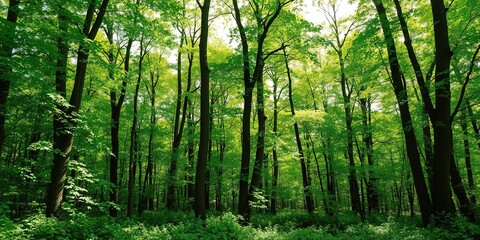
(293, 225)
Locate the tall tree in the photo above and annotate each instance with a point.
(276, 110)
(399, 87)
(181, 106)
(65, 119)
(264, 22)
(116, 106)
(338, 45)
(7, 39)
(200, 175)
(146, 199)
(145, 47)
(305, 170)
(372, 194)
(442, 128)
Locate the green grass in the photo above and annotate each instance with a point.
(181, 225)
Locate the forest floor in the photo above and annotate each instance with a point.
(181, 225)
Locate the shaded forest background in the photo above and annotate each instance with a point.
(112, 107)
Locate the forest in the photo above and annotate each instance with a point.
(239, 119)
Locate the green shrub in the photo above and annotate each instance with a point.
(227, 227)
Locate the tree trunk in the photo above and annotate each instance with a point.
(352, 175)
(423, 83)
(190, 157)
(443, 139)
(146, 199)
(115, 119)
(176, 129)
(60, 124)
(466, 208)
(255, 184)
(63, 140)
(328, 158)
(402, 101)
(6, 52)
(468, 164)
(133, 133)
(305, 171)
(325, 197)
(273, 196)
(372, 194)
(221, 156)
(200, 175)
(243, 207)
(263, 25)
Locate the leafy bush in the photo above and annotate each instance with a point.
(184, 226)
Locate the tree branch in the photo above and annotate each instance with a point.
(274, 51)
(464, 87)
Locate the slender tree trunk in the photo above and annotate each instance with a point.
(352, 176)
(402, 101)
(263, 25)
(146, 199)
(427, 139)
(63, 140)
(133, 133)
(200, 175)
(372, 194)
(255, 184)
(473, 121)
(273, 196)
(243, 207)
(221, 155)
(325, 197)
(176, 138)
(190, 157)
(60, 124)
(115, 119)
(468, 164)
(6, 52)
(466, 208)
(305, 171)
(328, 158)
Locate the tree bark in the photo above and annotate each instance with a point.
(273, 196)
(352, 175)
(146, 200)
(255, 184)
(441, 118)
(263, 24)
(459, 190)
(62, 139)
(133, 132)
(200, 175)
(6, 52)
(60, 123)
(243, 207)
(221, 156)
(305, 171)
(471, 183)
(406, 119)
(328, 158)
(372, 194)
(116, 107)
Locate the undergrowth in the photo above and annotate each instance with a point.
(182, 225)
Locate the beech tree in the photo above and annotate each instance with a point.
(64, 119)
(312, 95)
(204, 114)
(6, 45)
(264, 21)
(402, 100)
